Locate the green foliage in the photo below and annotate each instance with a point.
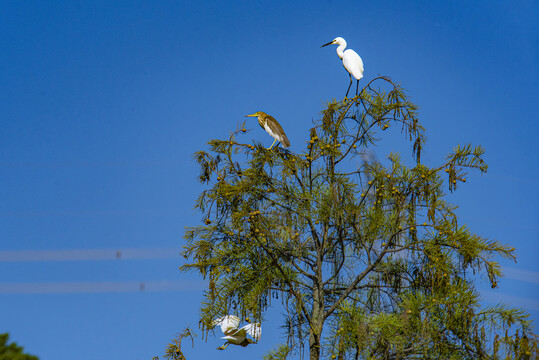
(12, 351)
(368, 260)
(281, 353)
(174, 348)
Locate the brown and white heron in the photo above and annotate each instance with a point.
(272, 127)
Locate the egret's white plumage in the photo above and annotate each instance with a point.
(227, 323)
(234, 335)
(350, 59)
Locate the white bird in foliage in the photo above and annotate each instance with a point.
(350, 60)
(230, 327)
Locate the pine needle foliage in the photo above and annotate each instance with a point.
(174, 348)
(12, 351)
(281, 353)
(368, 261)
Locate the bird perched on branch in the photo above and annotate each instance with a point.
(272, 127)
(350, 60)
(229, 326)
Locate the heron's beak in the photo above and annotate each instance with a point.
(329, 43)
(251, 115)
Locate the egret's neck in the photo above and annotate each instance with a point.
(340, 49)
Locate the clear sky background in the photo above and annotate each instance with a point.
(103, 104)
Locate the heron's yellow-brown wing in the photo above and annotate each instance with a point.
(275, 129)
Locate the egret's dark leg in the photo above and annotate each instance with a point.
(357, 86)
(345, 96)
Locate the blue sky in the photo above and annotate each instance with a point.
(104, 103)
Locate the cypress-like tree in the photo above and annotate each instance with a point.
(12, 351)
(368, 260)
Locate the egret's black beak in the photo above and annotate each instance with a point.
(329, 43)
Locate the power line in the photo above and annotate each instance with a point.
(88, 254)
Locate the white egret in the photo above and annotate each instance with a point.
(272, 127)
(234, 335)
(350, 60)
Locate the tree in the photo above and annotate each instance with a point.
(12, 351)
(174, 348)
(368, 260)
